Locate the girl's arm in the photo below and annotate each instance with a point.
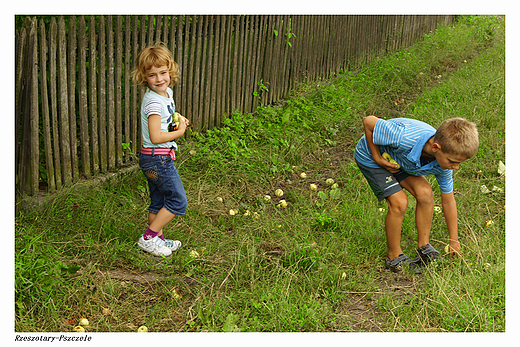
(370, 123)
(157, 136)
(449, 207)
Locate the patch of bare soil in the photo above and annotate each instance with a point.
(128, 276)
(360, 312)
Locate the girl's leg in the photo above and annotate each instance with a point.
(397, 204)
(151, 218)
(158, 221)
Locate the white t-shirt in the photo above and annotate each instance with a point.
(154, 103)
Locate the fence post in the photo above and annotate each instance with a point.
(71, 81)
(82, 100)
(49, 163)
(110, 87)
(93, 92)
(119, 82)
(20, 38)
(34, 115)
(127, 82)
(64, 103)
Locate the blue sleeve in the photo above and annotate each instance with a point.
(445, 180)
(388, 133)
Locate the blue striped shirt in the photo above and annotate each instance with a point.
(404, 140)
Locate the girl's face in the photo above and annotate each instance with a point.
(158, 79)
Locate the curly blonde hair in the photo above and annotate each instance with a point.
(155, 55)
(458, 136)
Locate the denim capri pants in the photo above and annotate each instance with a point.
(166, 189)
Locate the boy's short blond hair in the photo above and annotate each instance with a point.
(458, 136)
(156, 55)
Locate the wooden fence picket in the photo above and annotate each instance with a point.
(84, 145)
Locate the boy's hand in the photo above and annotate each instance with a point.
(385, 164)
(453, 248)
(394, 165)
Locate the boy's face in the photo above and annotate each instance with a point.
(158, 79)
(445, 160)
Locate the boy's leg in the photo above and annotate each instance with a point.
(421, 189)
(397, 204)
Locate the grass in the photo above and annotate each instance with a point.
(314, 266)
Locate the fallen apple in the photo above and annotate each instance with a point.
(329, 181)
(176, 294)
(83, 321)
(303, 175)
(282, 203)
(175, 122)
(142, 329)
(501, 168)
(313, 186)
(219, 199)
(79, 329)
(279, 192)
(267, 197)
(390, 159)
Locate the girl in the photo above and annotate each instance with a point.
(156, 71)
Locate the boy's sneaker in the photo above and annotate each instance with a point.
(173, 245)
(428, 254)
(155, 246)
(396, 264)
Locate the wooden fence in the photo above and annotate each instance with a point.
(75, 104)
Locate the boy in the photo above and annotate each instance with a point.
(418, 150)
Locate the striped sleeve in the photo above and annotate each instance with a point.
(445, 180)
(152, 107)
(388, 133)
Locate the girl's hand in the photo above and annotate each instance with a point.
(184, 120)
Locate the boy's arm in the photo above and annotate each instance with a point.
(369, 124)
(449, 207)
(157, 136)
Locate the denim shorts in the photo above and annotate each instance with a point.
(166, 189)
(383, 182)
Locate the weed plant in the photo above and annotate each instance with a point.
(316, 265)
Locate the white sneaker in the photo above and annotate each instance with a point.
(173, 245)
(155, 246)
